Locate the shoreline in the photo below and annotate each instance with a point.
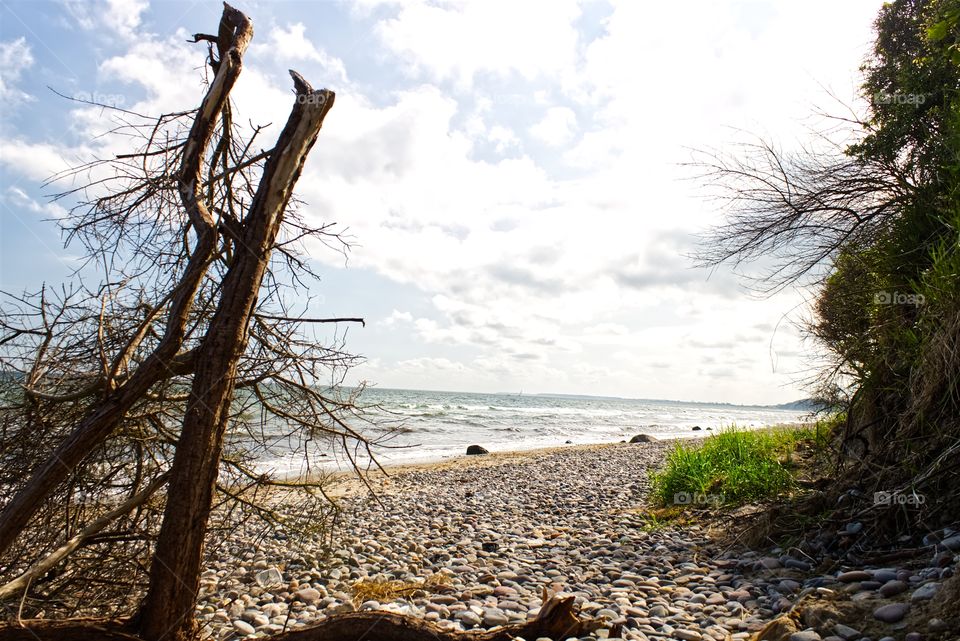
(348, 478)
(346, 484)
(419, 440)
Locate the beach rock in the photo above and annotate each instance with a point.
(884, 575)
(644, 438)
(787, 585)
(937, 625)
(308, 595)
(925, 592)
(269, 578)
(695, 428)
(892, 588)
(494, 616)
(805, 635)
(444, 599)
(475, 450)
(846, 632)
(892, 612)
(853, 528)
(468, 618)
(853, 576)
(952, 543)
(243, 627)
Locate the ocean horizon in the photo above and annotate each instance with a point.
(418, 426)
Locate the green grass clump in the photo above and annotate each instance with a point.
(730, 466)
(818, 436)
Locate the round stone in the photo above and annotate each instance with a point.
(892, 612)
(937, 625)
(846, 632)
(892, 588)
(925, 592)
(243, 627)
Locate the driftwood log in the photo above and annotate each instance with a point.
(558, 619)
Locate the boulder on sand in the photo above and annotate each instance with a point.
(475, 450)
(644, 438)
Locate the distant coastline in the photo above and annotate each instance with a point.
(805, 404)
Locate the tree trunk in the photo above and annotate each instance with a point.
(167, 612)
(161, 364)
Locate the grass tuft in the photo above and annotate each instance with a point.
(733, 466)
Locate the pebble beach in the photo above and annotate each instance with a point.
(487, 535)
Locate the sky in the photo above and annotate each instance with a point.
(512, 176)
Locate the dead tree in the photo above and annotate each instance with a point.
(135, 385)
(104, 387)
(175, 573)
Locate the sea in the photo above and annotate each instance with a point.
(418, 426)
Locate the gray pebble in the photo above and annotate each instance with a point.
(892, 612)
(845, 631)
(925, 592)
(892, 588)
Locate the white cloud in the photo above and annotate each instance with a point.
(733, 69)
(120, 17)
(123, 16)
(165, 70)
(36, 161)
(15, 57)
(292, 44)
(557, 127)
(18, 198)
(459, 40)
(503, 138)
(397, 317)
